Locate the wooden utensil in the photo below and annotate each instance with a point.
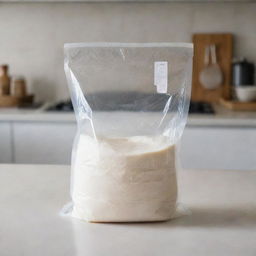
(211, 75)
(224, 44)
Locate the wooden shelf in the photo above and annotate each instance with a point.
(238, 106)
(12, 101)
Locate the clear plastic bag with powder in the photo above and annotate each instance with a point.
(131, 103)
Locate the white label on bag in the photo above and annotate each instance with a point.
(161, 76)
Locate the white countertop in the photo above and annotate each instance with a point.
(222, 219)
(223, 117)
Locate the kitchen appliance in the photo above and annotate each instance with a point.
(244, 87)
(61, 106)
(194, 108)
(243, 73)
(201, 108)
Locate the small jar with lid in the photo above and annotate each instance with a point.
(19, 86)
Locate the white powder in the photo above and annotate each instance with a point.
(124, 179)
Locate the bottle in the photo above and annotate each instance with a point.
(4, 80)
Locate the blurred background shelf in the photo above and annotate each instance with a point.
(13, 101)
(238, 106)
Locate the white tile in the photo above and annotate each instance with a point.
(33, 34)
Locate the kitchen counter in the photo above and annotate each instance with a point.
(223, 117)
(221, 219)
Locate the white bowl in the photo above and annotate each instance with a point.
(246, 93)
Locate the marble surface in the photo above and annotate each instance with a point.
(223, 117)
(221, 219)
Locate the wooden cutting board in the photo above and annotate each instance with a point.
(224, 49)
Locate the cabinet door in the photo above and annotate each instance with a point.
(219, 148)
(5, 143)
(43, 143)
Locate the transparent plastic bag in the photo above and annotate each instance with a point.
(131, 103)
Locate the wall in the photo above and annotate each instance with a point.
(32, 34)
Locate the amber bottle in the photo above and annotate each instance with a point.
(4, 80)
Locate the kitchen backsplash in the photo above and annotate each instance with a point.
(33, 34)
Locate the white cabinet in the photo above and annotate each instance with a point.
(219, 148)
(230, 148)
(43, 143)
(5, 143)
